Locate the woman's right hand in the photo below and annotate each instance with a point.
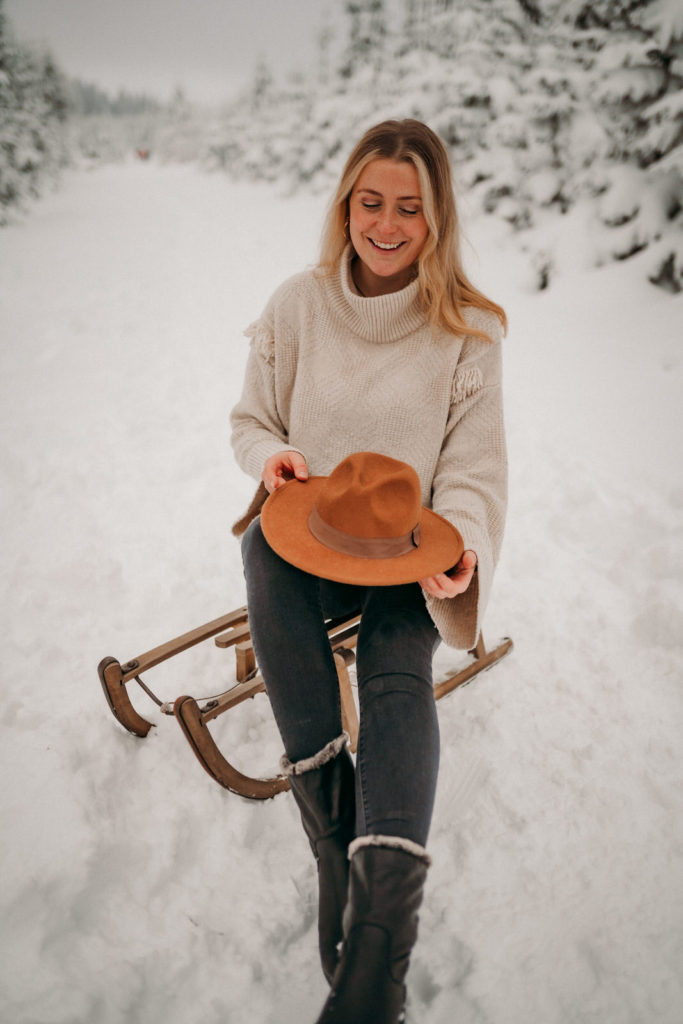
(281, 467)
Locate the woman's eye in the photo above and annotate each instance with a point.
(405, 210)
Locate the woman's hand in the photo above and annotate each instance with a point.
(456, 582)
(283, 466)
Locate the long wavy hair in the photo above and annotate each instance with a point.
(445, 290)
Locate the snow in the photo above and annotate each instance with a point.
(132, 888)
(664, 18)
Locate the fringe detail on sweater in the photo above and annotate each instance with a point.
(466, 382)
(309, 764)
(257, 503)
(392, 843)
(262, 340)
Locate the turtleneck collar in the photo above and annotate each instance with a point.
(380, 319)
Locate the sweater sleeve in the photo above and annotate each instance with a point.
(470, 483)
(258, 430)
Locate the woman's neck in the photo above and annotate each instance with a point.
(370, 286)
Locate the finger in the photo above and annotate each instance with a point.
(269, 474)
(465, 567)
(272, 478)
(448, 585)
(298, 465)
(469, 560)
(432, 586)
(281, 467)
(445, 586)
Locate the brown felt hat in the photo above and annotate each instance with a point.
(362, 524)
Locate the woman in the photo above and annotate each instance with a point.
(385, 347)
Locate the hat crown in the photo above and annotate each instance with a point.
(371, 496)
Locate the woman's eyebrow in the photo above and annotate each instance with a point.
(402, 199)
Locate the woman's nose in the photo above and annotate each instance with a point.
(387, 221)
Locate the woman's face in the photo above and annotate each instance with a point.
(386, 225)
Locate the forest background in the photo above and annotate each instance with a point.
(546, 107)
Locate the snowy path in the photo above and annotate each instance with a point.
(132, 889)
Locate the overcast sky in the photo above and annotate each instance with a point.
(207, 47)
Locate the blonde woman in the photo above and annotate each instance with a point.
(379, 371)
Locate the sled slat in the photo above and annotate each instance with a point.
(232, 697)
(238, 634)
(181, 643)
(481, 662)
(342, 658)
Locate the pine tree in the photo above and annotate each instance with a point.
(633, 54)
(32, 111)
(366, 39)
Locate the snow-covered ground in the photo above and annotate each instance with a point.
(132, 888)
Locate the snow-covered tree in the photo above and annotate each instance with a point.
(546, 105)
(32, 114)
(85, 99)
(367, 37)
(633, 53)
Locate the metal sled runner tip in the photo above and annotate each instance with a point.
(112, 678)
(196, 732)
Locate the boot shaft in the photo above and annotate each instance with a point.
(386, 884)
(386, 887)
(324, 789)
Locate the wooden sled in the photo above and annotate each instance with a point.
(232, 630)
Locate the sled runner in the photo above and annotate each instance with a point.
(232, 630)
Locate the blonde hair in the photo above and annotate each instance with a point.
(445, 290)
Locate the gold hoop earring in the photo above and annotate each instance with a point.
(346, 228)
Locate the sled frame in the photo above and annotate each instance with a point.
(232, 631)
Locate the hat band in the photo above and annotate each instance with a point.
(362, 547)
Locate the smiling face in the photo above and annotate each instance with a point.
(387, 226)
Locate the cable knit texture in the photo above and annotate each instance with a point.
(331, 373)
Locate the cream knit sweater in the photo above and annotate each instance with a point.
(331, 373)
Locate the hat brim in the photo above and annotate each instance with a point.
(284, 520)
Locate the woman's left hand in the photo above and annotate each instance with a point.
(456, 582)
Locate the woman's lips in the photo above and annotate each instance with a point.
(385, 246)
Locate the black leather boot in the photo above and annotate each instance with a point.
(324, 789)
(386, 883)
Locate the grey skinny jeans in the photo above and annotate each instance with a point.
(398, 747)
